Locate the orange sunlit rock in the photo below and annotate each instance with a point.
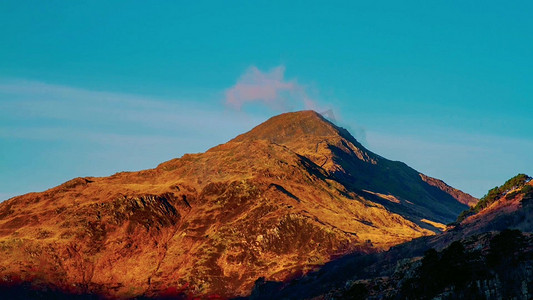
(275, 202)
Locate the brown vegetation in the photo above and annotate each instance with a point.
(275, 202)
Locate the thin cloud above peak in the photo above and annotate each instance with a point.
(270, 88)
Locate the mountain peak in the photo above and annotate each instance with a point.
(297, 188)
(309, 134)
(291, 126)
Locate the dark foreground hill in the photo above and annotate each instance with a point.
(275, 203)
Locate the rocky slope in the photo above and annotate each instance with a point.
(488, 255)
(457, 194)
(509, 206)
(276, 202)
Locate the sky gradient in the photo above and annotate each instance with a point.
(94, 89)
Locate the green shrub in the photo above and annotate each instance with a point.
(494, 194)
(527, 190)
(503, 247)
(465, 214)
(357, 291)
(511, 195)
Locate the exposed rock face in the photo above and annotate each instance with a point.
(275, 202)
(460, 196)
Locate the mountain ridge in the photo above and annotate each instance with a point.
(325, 144)
(278, 201)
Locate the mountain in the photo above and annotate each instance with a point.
(349, 163)
(487, 255)
(275, 203)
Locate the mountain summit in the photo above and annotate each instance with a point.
(292, 126)
(282, 199)
(338, 152)
(309, 134)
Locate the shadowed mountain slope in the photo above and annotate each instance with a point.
(276, 202)
(488, 255)
(335, 150)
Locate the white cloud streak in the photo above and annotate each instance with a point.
(33, 107)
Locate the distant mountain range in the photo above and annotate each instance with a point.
(273, 204)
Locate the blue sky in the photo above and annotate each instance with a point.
(90, 89)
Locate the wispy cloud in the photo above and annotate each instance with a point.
(273, 90)
(270, 88)
(30, 106)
